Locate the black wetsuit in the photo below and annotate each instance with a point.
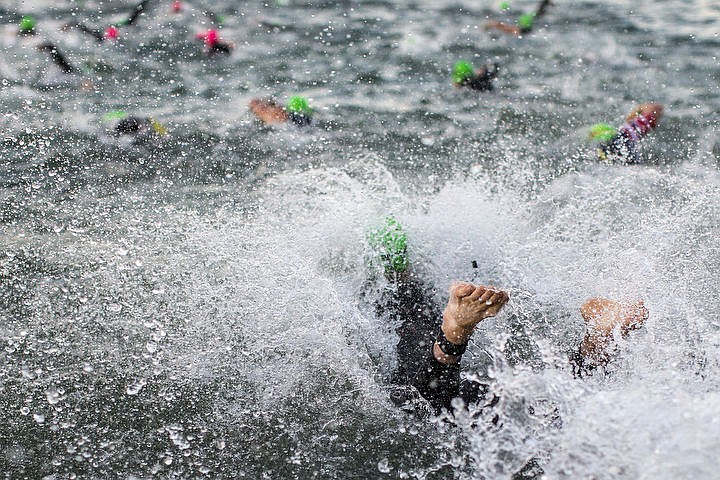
(299, 119)
(483, 80)
(622, 147)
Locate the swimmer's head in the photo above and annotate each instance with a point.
(27, 25)
(115, 115)
(299, 105)
(504, 5)
(211, 37)
(602, 132)
(176, 6)
(389, 243)
(525, 21)
(462, 72)
(112, 32)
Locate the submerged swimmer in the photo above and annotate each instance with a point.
(524, 24)
(464, 75)
(213, 43)
(268, 111)
(622, 143)
(432, 343)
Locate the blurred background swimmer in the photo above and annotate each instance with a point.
(524, 22)
(139, 129)
(622, 144)
(214, 44)
(297, 111)
(112, 32)
(465, 75)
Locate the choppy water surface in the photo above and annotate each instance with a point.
(198, 307)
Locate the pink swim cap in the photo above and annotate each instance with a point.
(211, 37)
(112, 32)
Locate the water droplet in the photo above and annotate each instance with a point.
(384, 466)
(53, 396)
(151, 347)
(24, 411)
(135, 387)
(114, 307)
(39, 418)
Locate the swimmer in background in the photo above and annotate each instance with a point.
(524, 23)
(464, 75)
(268, 111)
(213, 43)
(141, 129)
(622, 143)
(112, 32)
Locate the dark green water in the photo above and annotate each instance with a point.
(192, 307)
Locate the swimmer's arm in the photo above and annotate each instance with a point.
(542, 7)
(503, 27)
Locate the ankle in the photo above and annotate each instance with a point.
(454, 332)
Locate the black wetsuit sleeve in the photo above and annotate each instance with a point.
(483, 81)
(139, 9)
(542, 8)
(96, 34)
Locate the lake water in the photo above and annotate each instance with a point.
(197, 307)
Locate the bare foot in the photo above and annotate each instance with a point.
(268, 111)
(601, 317)
(467, 306)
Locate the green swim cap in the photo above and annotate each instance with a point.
(299, 105)
(504, 5)
(390, 243)
(526, 21)
(462, 71)
(115, 115)
(27, 23)
(602, 132)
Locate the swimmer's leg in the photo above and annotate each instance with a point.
(602, 317)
